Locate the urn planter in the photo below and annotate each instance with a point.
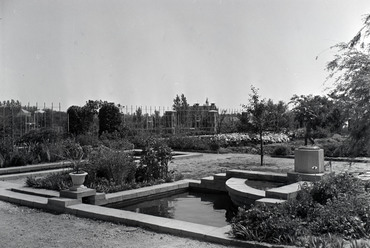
(77, 179)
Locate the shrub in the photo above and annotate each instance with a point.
(115, 141)
(281, 150)
(116, 167)
(154, 161)
(320, 133)
(265, 224)
(186, 143)
(55, 181)
(334, 185)
(337, 205)
(139, 141)
(88, 140)
(40, 136)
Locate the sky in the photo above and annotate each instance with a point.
(145, 52)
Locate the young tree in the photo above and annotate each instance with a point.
(259, 116)
(351, 70)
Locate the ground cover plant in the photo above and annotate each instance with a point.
(338, 205)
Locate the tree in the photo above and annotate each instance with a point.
(279, 115)
(181, 106)
(259, 116)
(351, 70)
(138, 118)
(74, 120)
(109, 118)
(81, 119)
(314, 112)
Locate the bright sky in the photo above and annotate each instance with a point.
(144, 52)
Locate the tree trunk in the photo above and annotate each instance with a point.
(261, 147)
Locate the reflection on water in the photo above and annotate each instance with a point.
(208, 209)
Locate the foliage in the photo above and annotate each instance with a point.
(265, 224)
(351, 70)
(282, 150)
(154, 161)
(278, 116)
(78, 123)
(88, 139)
(187, 143)
(181, 106)
(116, 141)
(109, 118)
(31, 153)
(337, 205)
(113, 166)
(74, 153)
(43, 135)
(260, 118)
(54, 181)
(319, 115)
(334, 185)
(317, 111)
(334, 146)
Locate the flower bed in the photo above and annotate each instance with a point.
(241, 139)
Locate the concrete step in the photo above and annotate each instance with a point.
(37, 192)
(258, 175)
(211, 184)
(207, 180)
(285, 192)
(33, 174)
(220, 177)
(269, 201)
(23, 199)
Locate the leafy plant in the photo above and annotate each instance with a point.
(338, 205)
(74, 153)
(154, 161)
(282, 150)
(116, 167)
(54, 181)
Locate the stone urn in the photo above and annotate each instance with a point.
(77, 179)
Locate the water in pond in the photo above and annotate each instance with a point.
(263, 185)
(207, 209)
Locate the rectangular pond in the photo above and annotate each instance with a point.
(196, 207)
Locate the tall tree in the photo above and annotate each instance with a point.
(181, 106)
(75, 125)
(351, 70)
(317, 111)
(81, 119)
(279, 115)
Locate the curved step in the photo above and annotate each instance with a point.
(241, 194)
